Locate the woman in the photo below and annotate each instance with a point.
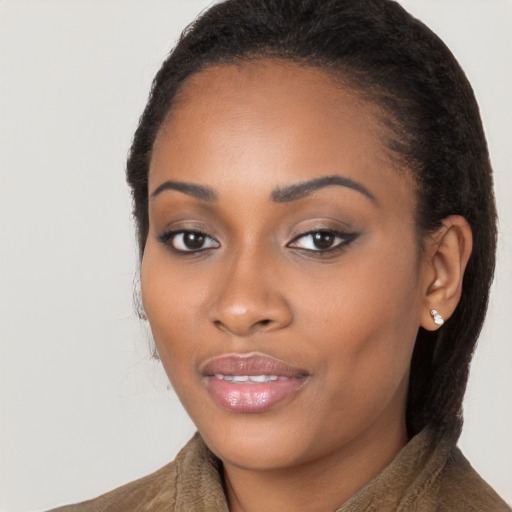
(316, 226)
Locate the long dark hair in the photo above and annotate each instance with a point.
(435, 130)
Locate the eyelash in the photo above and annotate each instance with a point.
(344, 239)
(169, 237)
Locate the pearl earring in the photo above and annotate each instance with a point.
(438, 319)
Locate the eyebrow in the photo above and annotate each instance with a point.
(284, 194)
(191, 189)
(305, 188)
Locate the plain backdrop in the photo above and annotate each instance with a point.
(84, 409)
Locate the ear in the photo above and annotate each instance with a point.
(447, 253)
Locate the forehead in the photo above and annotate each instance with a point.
(270, 122)
(272, 92)
(275, 78)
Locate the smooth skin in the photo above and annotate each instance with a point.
(332, 280)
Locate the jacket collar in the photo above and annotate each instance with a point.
(199, 481)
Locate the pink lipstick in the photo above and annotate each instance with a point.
(251, 383)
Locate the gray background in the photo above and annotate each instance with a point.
(82, 407)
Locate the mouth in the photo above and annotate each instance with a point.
(251, 383)
(238, 379)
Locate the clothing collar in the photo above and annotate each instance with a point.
(199, 484)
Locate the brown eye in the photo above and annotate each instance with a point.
(190, 241)
(322, 240)
(193, 241)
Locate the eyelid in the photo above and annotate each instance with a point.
(170, 235)
(345, 239)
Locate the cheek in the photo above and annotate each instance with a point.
(365, 316)
(167, 297)
(375, 286)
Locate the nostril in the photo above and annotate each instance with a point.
(246, 327)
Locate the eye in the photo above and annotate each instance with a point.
(189, 241)
(322, 240)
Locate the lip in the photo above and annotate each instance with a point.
(251, 397)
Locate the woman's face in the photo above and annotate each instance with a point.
(282, 275)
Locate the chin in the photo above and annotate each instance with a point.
(257, 455)
(260, 443)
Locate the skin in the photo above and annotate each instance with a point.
(348, 317)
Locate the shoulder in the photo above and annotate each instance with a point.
(157, 491)
(147, 494)
(460, 488)
(428, 475)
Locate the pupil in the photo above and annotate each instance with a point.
(193, 240)
(323, 240)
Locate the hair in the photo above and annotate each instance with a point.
(434, 126)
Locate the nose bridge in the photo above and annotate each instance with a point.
(248, 297)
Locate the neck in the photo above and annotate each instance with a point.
(335, 477)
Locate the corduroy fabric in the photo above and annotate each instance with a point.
(419, 479)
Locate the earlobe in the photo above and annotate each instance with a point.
(447, 252)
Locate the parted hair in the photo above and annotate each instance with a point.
(435, 131)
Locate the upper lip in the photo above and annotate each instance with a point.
(250, 364)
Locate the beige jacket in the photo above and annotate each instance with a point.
(419, 479)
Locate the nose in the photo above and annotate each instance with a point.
(248, 298)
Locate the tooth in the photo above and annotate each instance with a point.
(251, 378)
(258, 378)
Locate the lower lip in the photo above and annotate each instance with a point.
(252, 397)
